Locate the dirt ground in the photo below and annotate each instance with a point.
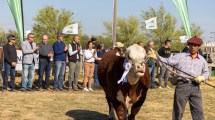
(81, 105)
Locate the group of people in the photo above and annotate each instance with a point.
(58, 53)
(189, 62)
(165, 52)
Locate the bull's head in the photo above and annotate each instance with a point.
(136, 54)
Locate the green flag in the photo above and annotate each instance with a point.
(181, 6)
(16, 9)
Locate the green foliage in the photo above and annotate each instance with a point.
(128, 30)
(166, 26)
(51, 21)
(3, 37)
(195, 30)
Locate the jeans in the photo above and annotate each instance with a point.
(44, 65)
(74, 70)
(11, 70)
(152, 75)
(59, 74)
(27, 75)
(96, 81)
(163, 73)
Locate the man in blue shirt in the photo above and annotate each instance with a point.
(188, 89)
(60, 61)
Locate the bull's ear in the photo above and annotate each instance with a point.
(117, 53)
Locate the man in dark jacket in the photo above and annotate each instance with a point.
(45, 58)
(10, 61)
(165, 53)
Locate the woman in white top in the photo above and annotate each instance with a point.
(89, 59)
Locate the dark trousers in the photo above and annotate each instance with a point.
(44, 66)
(187, 92)
(11, 70)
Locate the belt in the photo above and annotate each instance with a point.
(188, 81)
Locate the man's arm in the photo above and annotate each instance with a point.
(171, 60)
(205, 71)
(71, 52)
(25, 50)
(6, 56)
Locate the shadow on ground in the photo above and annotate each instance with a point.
(86, 115)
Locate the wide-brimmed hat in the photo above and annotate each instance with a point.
(119, 44)
(195, 40)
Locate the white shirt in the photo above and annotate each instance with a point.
(88, 55)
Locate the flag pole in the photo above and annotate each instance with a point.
(22, 20)
(114, 23)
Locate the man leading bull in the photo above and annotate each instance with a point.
(189, 89)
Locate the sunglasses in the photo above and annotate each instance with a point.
(13, 39)
(31, 37)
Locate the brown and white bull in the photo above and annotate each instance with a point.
(130, 94)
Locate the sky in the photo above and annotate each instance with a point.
(93, 13)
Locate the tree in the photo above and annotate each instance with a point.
(128, 30)
(166, 26)
(195, 30)
(51, 21)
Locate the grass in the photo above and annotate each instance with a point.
(80, 105)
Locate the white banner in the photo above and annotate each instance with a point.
(19, 61)
(71, 29)
(183, 39)
(151, 23)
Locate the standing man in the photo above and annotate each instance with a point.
(189, 89)
(45, 58)
(10, 61)
(60, 61)
(151, 62)
(29, 50)
(74, 56)
(165, 53)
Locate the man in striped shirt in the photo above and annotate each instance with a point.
(188, 89)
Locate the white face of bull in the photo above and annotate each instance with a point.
(136, 54)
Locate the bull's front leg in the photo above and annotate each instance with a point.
(137, 105)
(120, 106)
(121, 111)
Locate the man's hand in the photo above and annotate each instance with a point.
(13, 64)
(199, 79)
(79, 49)
(36, 48)
(50, 55)
(66, 48)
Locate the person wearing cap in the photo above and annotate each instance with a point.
(60, 61)
(188, 90)
(151, 62)
(10, 61)
(93, 39)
